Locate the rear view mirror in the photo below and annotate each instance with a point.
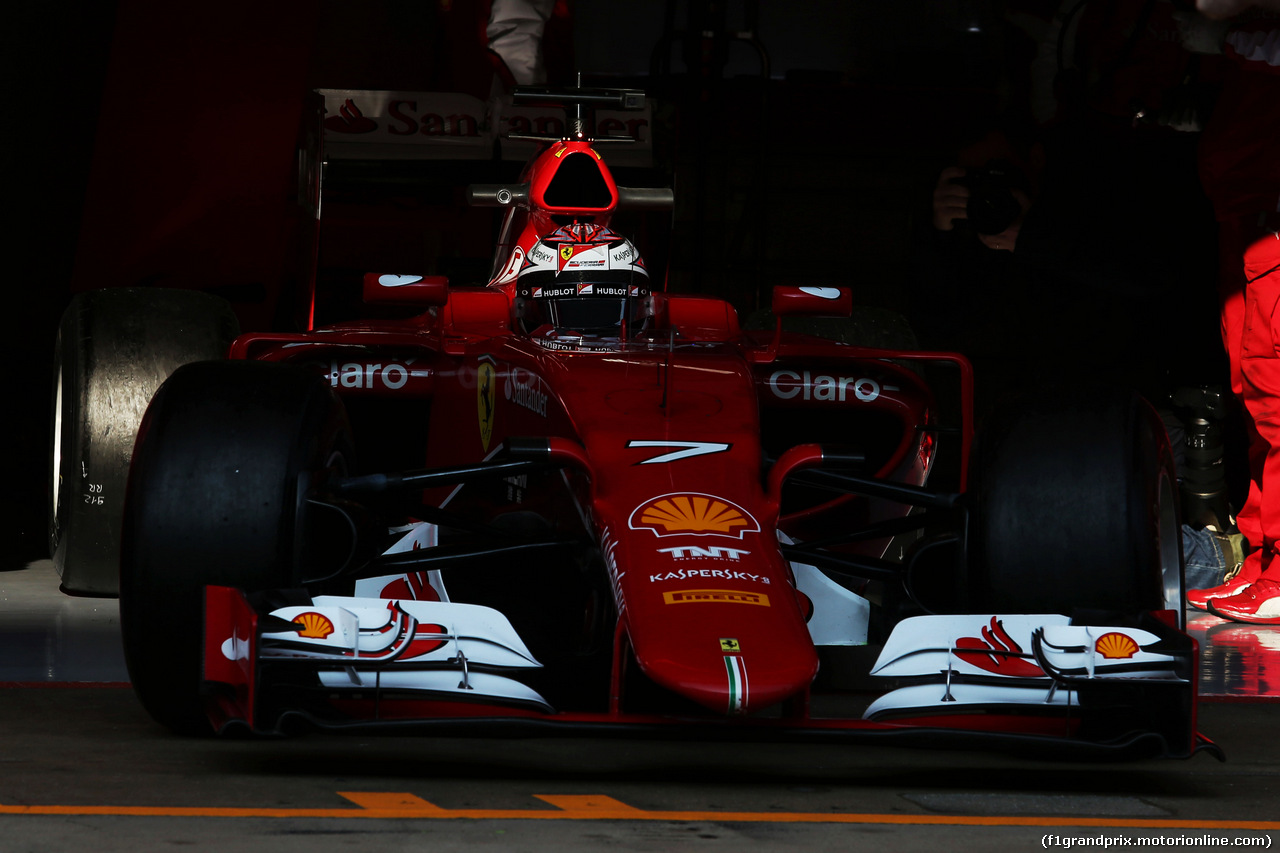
(414, 290)
(812, 301)
(808, 301)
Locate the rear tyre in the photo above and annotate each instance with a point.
(1076, 510)
(227, 457)
(113, 350)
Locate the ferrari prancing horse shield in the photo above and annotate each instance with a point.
(486, 400)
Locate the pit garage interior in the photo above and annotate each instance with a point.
(156, 145)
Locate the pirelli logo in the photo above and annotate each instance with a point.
(715, 596)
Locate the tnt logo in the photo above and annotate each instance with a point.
(711, 552)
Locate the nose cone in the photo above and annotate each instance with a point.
(706, 599)
(732, 652)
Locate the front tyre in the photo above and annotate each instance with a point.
(227, 457)
(1076, 510)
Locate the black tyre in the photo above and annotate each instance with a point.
(227, 457)
(1076, 509)
(113, 350)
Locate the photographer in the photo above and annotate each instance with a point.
(1094, 267)
(1079, 258)
(1074, 248)
(986, 199)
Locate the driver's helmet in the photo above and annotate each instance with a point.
(583, 287)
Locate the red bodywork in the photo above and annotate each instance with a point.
(704, 597)
(673, 457)
(668, 475)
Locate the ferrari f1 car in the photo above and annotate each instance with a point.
(570, 502)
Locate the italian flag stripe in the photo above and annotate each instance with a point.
(737, 670)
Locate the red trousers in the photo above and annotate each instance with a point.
(1249, 288)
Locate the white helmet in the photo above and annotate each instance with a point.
(582, 287)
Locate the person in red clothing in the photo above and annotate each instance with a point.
(1240, 172)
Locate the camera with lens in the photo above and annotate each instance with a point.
(992, 206)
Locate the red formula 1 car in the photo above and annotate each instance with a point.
(569, 502)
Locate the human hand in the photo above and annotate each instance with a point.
(950, 199)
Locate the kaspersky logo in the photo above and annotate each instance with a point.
(692, 513)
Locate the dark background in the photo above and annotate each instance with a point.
(154, 144)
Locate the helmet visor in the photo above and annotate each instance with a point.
(586, 314)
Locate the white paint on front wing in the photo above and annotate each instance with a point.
(925, 645)
(1095, 651)
(1002, 646)
(474, 685)
(957, 696)
(381, 631)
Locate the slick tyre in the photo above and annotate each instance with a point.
(1076, 510)
(227, 457)
(114, 348)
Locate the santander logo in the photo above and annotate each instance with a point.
(350, 120)
(997, 652)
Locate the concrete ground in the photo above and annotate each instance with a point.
(84, 767)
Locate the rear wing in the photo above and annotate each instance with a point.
(399, 125)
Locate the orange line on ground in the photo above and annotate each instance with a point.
(391, 802)
(596, 807)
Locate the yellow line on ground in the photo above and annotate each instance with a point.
(395, 806)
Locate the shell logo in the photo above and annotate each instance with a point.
(315, 626)
(1115, 646)
(689, 512)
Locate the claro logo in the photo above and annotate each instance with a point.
(363, 375)
(789, 385)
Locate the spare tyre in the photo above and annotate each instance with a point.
(114, 348)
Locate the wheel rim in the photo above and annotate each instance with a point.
(56, 473)
(1170, 552)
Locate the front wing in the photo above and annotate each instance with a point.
(1026, 683)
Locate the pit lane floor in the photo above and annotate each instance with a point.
(82, 765)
